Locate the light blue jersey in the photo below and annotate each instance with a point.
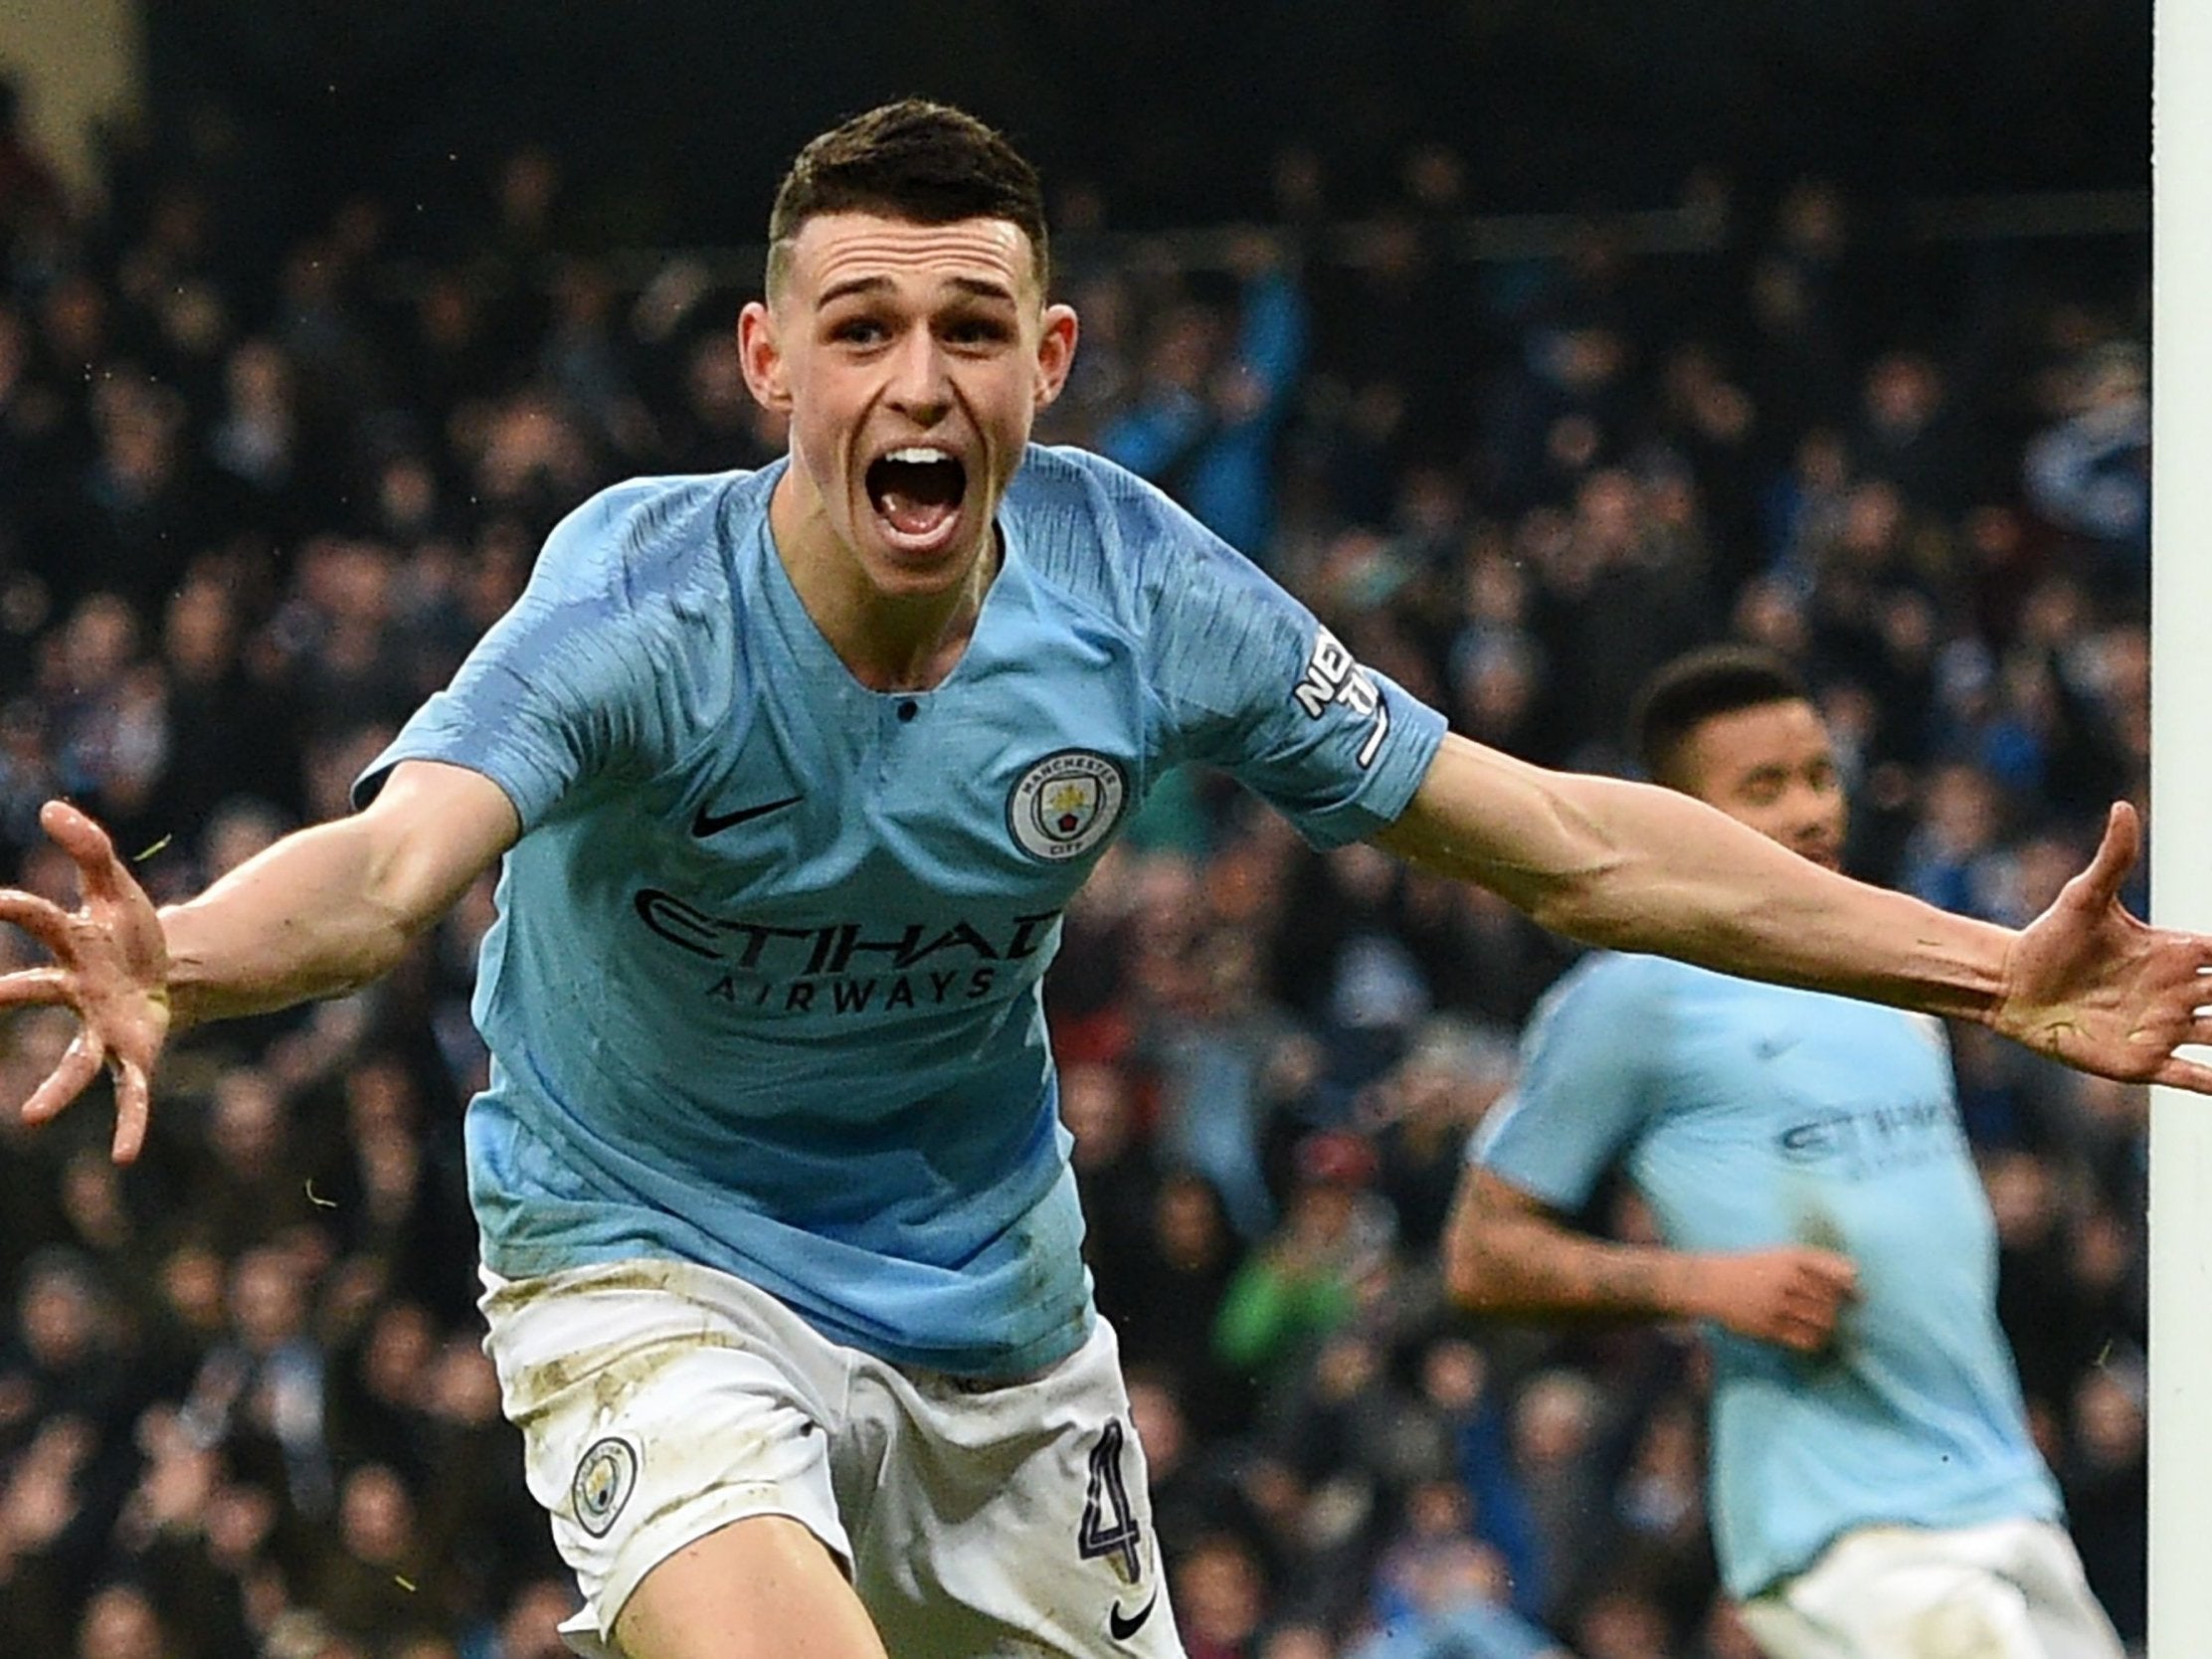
(764, 989)
(1752, 1116)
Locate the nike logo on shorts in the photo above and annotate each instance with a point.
(1121, 1625)
(713, 824)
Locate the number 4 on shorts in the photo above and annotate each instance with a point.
(1109, 1525)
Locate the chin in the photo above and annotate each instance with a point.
(902, 572)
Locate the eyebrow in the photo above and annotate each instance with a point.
(975, 287)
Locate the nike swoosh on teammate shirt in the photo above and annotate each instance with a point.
(1121, 1626)
(713, 824)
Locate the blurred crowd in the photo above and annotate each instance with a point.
(253, 510)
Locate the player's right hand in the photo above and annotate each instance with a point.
(111, 968)
(1791, 1296)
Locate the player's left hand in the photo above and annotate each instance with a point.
(2088, 984)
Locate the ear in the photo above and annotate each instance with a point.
(1055, 352)
(762, 358)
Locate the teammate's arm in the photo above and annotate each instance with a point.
(1637, 867)
(1508, 1253)
(322, 912)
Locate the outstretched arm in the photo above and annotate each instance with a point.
(335, 906)
(1506, 1253)
(322, 912)
(1637, 867)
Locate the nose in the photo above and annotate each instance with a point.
(1816, 815)
(921, 381)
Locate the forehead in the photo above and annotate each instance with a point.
(1728, 747)
(836, 250)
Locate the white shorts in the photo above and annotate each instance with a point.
(2009, 1590)
(660, 1400)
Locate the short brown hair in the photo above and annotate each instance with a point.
(1696, 688)
(926, 164)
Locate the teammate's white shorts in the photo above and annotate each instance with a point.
(660, 1400)
(2009, 1590)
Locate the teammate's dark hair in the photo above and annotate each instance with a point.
(927, 163)
(1692, 689)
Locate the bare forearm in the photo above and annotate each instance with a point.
(313, 916)
(1632, 866)
(1701, 886)
(1520, 1266)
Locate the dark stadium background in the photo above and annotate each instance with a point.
(675, 116)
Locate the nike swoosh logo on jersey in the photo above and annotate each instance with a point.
(713, 824)
(1121, 1626)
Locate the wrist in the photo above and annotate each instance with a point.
(1685, 1285)
(1961, 970)
(189, 990)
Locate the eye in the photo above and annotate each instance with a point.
(976, 331)
(858, 331)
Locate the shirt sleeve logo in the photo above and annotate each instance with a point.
(1332, 675)
(604, 1479)
(1065, 804)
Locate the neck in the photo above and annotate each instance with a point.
(888, 642)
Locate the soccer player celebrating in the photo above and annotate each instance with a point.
(793, 774)
(1874, 1490)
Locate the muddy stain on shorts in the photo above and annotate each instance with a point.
(614, 1371)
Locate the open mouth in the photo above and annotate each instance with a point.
(917, 492)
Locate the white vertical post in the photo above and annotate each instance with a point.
(2181, 809)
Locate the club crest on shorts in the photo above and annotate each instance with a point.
(1065, 804)
(605, 1478)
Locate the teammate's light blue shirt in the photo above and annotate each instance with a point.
(764, 988)
(1752, 1116)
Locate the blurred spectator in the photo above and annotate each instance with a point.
(1620, 596)
(2090, 473)
(1622, 1624)
(2106, 1486)
(1117, 1177)
(1420, 1115)
(1457, 1608)
(1178, 1281)
(1555, 1444)
(1204, 420)
(1225, 1060)
(1220, 1599)
(267, 1376)
(1298, 1286)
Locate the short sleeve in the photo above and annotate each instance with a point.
(1584, 1088)
(568, 685)
(1250, 681)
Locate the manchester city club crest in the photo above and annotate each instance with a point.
(604, 1479)
(1065, 804)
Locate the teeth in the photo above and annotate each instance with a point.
(919, 456)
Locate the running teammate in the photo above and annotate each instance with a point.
(1874, 1488)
